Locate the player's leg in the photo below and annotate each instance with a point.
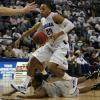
(88, 76)
(32, 66)
(10, 92)
(89, 88)
(58, 62)
(13, 91)
(36, 84)
(35, 63)
(58, 72)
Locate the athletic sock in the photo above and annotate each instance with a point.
(67, 77)
(44, 72)
(26, 81)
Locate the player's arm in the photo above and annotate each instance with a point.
(31, 30)
(68, 25)
(41, 93)
(4, 11)
(10, 93)
(28, 32)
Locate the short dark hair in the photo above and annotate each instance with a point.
(49, 4)
(39, 77)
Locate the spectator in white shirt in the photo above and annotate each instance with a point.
(72, 39)
(97, 26)
(7, 38)
(82, 64)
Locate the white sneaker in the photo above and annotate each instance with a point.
(19, 88)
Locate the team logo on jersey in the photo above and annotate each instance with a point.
(48, 25)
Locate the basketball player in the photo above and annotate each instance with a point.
(58, 88)
(54, 51)
(4, 11)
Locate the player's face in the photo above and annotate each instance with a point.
(44, 10)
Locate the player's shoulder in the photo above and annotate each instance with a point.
(42, 19)
(57, 18)
(52, 14)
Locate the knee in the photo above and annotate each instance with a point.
(33, 61)
(32, 66)
(52, 67)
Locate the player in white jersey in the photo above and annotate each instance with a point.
(55, 50)
(57, 88)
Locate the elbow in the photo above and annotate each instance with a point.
(71, 26)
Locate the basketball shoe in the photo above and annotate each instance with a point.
(93, 75)
(96, 87)
(19, 88)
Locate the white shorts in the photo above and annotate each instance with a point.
(53, 53)
(61, 88)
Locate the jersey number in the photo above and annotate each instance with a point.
(49, 31)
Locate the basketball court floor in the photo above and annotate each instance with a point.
(92, 95)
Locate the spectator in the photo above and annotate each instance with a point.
(18, 52)
(94, 61)
(72, 39)
(82, 64)
(1, 51)
(7, 38)
(9, 52)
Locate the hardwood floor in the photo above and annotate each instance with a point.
(92, 95)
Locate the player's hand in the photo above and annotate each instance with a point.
(17, 43)
(22, 96)
(10, 93)
(7, 94)
(54, 36)
(30, 7)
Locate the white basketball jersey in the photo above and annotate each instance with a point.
(50, 27)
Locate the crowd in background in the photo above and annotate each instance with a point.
(84, 40)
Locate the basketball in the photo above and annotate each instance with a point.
(39, 38)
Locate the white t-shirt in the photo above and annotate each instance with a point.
(80, 60)
(18, 53)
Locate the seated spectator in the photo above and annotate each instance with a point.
(1, 52)
(15, 34)
(9, 52)
(79, 44)
(18, 52)
(87, 48)
(99, 41)
(1, 37)
(94, 61)
(94, 40)
(72, 39)
(72, 70)
(25, 51)
(7, 38)
(82, 64)
(97, 26)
